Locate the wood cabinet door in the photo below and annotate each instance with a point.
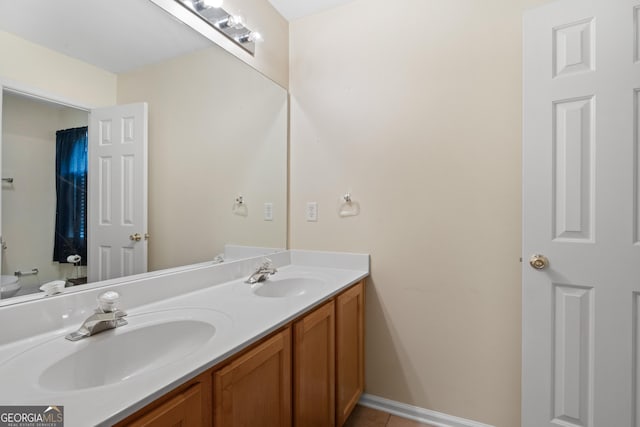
(255, 389)
(314, 368)
(189, 405)
(183, 410)
(349, 350)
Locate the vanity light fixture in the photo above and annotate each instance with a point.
(231, 25)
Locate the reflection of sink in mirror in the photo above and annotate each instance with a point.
(9, 286)
(124, 355)
(287, 287)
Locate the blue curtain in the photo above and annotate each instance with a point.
(71, 194)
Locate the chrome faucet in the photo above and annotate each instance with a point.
(106, 316)
(263, 272)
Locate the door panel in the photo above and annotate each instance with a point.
(573, 168)
(573, 353)
(581, 209)
(574, 48)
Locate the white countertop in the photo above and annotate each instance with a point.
(240, 318)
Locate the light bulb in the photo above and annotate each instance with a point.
(235, 21)
(251, 37)
(231, 21)
(255, 37)
(213, 3)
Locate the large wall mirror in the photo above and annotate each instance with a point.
(217, 131)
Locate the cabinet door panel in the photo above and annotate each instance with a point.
(255, 389)
(349, 350)
(314, 368)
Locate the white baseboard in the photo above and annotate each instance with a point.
(416, 413)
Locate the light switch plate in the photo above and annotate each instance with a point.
(268, 211)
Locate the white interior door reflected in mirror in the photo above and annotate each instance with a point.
(117, 191)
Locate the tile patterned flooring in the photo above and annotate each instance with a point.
(367, 417)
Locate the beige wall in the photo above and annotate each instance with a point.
(415, 108)
(50, 73)
(29, 204)
(217, 129)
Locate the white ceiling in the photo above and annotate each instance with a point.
(116, 35)
(294, 9)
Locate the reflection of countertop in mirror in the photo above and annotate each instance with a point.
(77, 281)
(231, 253)
(38, 366)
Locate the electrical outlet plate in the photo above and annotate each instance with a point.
(312, 211)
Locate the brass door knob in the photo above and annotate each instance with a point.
(539, 262)
(135, 237)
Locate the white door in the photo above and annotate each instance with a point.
(117, 244)
(581, 325)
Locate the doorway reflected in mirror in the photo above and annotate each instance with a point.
(30, 212)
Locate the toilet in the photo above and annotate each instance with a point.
(9, 286)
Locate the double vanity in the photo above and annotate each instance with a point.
(200, 346)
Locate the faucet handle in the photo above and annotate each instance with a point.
(267, 263)
(108, 301)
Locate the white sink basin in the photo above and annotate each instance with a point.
(149, 342)
(288, 287)
(129, 353)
